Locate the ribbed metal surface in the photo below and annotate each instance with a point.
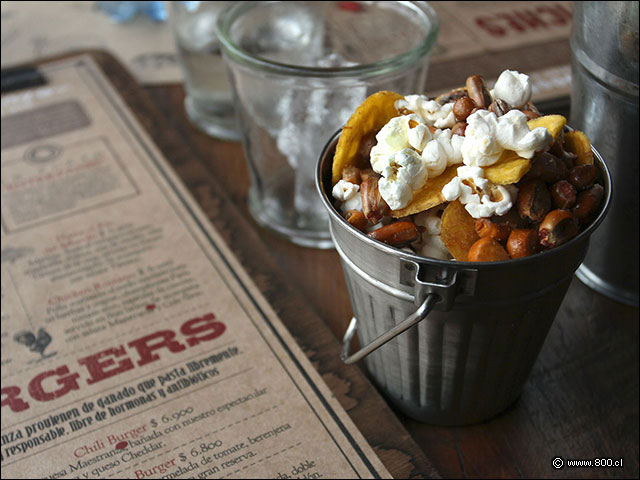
(604, 104)
(456, 367)
(468, 359)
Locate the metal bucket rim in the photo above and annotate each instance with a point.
(542, 256)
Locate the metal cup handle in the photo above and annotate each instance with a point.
(416, 317)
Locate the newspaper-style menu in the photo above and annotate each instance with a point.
(134, 345)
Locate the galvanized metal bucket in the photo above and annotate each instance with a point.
(604, 104)
(449, 343)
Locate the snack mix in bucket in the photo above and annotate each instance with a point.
(473, 175)
(460, 222)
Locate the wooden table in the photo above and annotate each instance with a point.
(581, 401)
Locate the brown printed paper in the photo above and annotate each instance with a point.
(133, 343)
(469, 29)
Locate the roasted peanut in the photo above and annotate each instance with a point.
(583, 176)
(587, 203)
(396, 234)
(364, 149)
(557, 149)
(459, 128)
(487, 250)
(511, 219)
(563, 194)
(463, 108)
(373, 205)
(530, 110)
(548, 168)
(530, 114)
(530, 106)
(497, 231)
(477, 91)
(357, 219)
(522, 242)
(499, 107)
(558, 227)
(534, 200)
(351, 173)
(368, 172)
(451, 95)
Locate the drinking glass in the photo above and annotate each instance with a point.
(298, 71)
(208, 101)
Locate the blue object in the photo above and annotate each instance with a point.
(122, 12)
(191, 6)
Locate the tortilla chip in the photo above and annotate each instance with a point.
(553, 123)
(430, 195)
(370, 116)
(509, 168)
(458, 231)
(577, 142)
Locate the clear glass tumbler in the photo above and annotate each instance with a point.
(209, 99)
(298, 71)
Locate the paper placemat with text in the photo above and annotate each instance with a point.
(134, 345)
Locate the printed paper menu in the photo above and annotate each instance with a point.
(134, 345)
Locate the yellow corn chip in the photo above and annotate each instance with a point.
(458, 231)
(509, 168)
(553, 123)
(369, 117)
(577, 142)
(429, 196)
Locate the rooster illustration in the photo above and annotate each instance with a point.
(36, 343)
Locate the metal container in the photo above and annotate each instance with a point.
(485, 322)
(604, 104)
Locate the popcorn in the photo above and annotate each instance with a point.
(513, 134)
(480, 146)
(404, 173)
(430, 220)
(419, 136)
(392, 138)
(444, 150)
(481, 198)
(488, 135)
(433, 247)
(348, 194)
(512, 87)
(440, 116)
(443, 193)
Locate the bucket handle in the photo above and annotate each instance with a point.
(420, 314)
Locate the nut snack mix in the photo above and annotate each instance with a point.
(473, 175)
(459, 222)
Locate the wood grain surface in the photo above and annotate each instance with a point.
(581, 401)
